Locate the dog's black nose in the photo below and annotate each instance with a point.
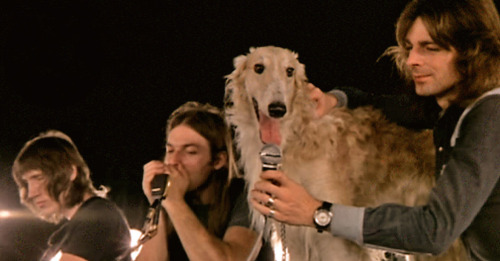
(277, 109)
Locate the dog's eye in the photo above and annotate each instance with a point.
(289, 71)
(259, 68)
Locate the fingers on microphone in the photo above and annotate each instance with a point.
(265, 186)
(275, 177)
(270, 174)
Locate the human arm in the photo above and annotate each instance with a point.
(197, 242)
(464, 187)
(466, 196)
(407, 110)
(294, 205)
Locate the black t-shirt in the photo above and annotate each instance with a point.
(239, 216)
(98, 231)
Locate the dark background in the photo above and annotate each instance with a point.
(108, 73)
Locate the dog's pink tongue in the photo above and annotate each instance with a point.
(269, 129)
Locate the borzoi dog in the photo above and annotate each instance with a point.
(354, 157)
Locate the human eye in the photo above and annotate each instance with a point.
(406, 49)
(433, 47)
(406, 45)
(38, 179)
(192, 151)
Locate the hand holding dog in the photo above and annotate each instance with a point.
(324, 102)
(291, 203)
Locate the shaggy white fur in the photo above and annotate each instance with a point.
(354, 157)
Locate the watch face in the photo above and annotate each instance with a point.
(323, 217)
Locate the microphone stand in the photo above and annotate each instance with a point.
(150, 227)
(161, 185)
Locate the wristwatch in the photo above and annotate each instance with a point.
(323, 216)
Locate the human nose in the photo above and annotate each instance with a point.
(33, 190)
(414, 58)
(173, 158)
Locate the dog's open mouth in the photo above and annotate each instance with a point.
(270, 126)
(269, 129)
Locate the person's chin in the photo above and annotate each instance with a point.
(421, 90)
(47, 211)
(424, 89)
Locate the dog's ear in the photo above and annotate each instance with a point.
(239, 65)
(239, 62)
(300, 74)
(300, 68)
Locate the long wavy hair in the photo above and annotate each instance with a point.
(472, 27)
(55, 154)
(208, 121)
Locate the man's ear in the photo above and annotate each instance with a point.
(74, 173)
(220, 160)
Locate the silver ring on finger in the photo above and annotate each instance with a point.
(270, 202)
(271, 213)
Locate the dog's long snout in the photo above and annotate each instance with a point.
(276, 109)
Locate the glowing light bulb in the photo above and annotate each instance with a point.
(5, 214)
(57, 257)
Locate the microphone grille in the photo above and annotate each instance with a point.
(270, 154)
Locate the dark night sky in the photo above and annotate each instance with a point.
(108, 73)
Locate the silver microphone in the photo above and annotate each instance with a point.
(270, 156)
